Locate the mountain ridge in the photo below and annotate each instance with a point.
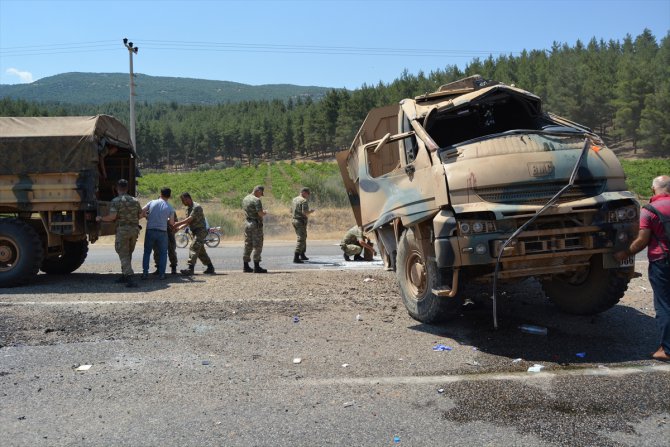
(101, 88)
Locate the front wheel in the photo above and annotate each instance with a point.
(213, 240)
(587, 292)
(181, 239)
(21, 252)
(417, 277)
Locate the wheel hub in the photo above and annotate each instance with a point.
(8, 254)
(416, 274)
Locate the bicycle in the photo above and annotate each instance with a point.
(184, 238)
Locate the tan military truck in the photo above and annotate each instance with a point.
(472, 183)
(56, 175)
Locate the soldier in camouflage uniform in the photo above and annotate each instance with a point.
(125, 210)
(300, 211)
(353, 244)
(195, 220)
(253, 229)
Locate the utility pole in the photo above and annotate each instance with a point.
(131, 50)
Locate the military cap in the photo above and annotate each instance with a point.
(123, 183)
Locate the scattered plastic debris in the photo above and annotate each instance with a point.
(359, 318)
(369, 280)
(535, 368)
(516, 360)
(345, 365)
(643, 288)
(532, 329)
(441, 390)
(349, 404)
(442, 348)
(205, 362)
(581, 355)
(473, 363)
(297, 360)
(396, 439)
(296, 319)
(83, 368)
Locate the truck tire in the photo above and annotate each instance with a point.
(587, 293)
(21, 252)
(417, 276)
(74, 255)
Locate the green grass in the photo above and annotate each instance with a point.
(282, 182)
(640, 173)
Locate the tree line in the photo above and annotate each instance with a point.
(621, 89)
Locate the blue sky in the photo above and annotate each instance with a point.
(326, 43)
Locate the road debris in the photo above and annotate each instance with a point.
(442, 348)
(536, 368)
(297, 360)
(532, 329)
(83, 368)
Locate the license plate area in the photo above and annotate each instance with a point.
(628, 262)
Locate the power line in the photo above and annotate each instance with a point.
(239, 47)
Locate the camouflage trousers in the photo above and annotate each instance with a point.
(124, 244)
(172, 251)
(351, 249)
(253, 240)
(300, 227)
(197, 249)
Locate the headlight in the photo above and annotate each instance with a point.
(623, 214)
(479, 226)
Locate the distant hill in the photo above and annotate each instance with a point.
(100, 88)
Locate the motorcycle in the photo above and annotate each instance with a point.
(184, 237)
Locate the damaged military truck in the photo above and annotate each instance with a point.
(471, 184)
(56, 175)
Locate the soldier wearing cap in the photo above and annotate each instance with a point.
(125, 210)
(300, 211)
(253, 229)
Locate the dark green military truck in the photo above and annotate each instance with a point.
(470, 184)
(56, 175)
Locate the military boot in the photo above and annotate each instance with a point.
(346, 257)
(258, 268)
(174, 269)
(209, 270)
(188, 272)
(121, 279)
(246, 268)
(358, 258)
(303, 257)
(296, 258)
(130, 281)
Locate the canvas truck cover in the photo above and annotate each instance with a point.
(42, 145)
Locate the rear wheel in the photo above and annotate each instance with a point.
(417, 276)
(181, 239)
(213, 240)
(21, 252)
(587, 292)
(74, 255)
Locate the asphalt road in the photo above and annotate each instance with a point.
(316, 354)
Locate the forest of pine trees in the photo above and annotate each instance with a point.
(619, 89)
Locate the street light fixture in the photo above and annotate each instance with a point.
(131, 50)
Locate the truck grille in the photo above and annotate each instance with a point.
(540, 193)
